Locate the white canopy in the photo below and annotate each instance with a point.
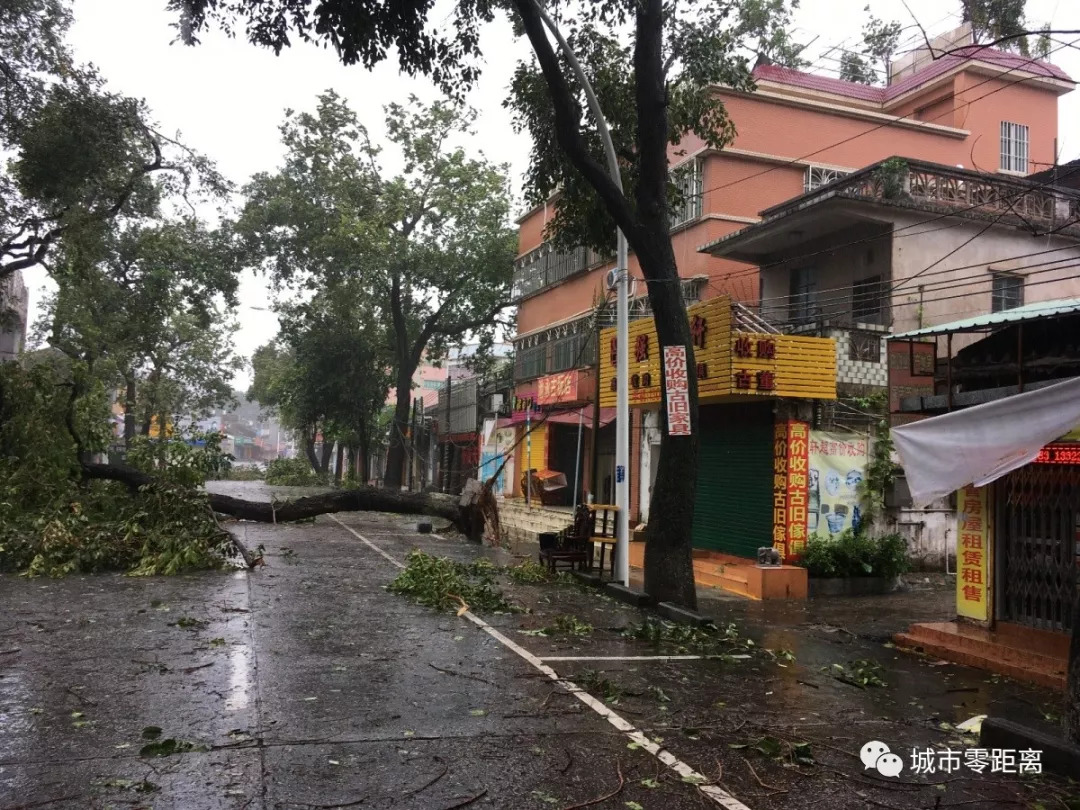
(980, 444)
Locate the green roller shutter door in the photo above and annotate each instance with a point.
(733, 509)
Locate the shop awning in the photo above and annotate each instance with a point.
(980, 444)
(607, 416)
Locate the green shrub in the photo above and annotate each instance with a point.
(443, 584)
(53, 523)
(852, 554)
(293, 472)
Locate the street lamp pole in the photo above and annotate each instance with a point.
(622, 394)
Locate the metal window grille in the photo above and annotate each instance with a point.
(529, 363)
(1014, 147)
(866, 301)
(817, 176)
(544, 266)
(689, 180)
(572, 352)
(803, 295)
(1007, 292)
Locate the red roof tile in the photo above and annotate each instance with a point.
(882, 95)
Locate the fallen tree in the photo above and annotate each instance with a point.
(466, 513)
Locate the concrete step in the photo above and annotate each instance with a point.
(1018, 663)
(948, 634)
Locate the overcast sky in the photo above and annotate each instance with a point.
(226, 98)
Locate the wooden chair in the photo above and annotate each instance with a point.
(570, 547)
(603, 532)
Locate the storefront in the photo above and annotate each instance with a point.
(752, 387)
(1009, 397)
(552, 418)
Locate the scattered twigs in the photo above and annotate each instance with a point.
(429, 782)
(606, 796)
(84, 701)
(774, 789)
(462, 674)
(468, 801)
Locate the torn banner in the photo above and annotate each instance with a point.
(980, 444)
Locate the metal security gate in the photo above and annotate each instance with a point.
(1036, 532)
(734, 502)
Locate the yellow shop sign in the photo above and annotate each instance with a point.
(728, 364)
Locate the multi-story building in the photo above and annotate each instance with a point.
(14, 305)
(977, 108)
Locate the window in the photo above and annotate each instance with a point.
(803, 295)
(688, 180)
(866, 299)
(1007, 292)
(864, 347)
(1014, 147)
(817, 176)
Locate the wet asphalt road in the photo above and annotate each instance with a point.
(311, 686)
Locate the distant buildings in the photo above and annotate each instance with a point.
(14, 304)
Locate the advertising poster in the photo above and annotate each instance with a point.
(837, 468)
(495, 450)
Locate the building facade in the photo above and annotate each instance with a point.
(14, 316)
(796, 133)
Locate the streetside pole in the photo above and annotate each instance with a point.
(528, 457)
(577, 456)
(622, 399)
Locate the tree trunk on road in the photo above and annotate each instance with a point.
(340, 462)
(469, 520)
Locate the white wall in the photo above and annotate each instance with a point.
(959, 285)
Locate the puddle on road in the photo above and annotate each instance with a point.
(239, 678)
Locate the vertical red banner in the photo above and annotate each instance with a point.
(780, 487)
(798, 486)
(791, 489)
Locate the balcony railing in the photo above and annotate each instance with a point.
(553, 356)
(544, 266)
(914, 183)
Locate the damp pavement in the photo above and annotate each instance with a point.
(306, 684)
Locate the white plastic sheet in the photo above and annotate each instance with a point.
(980, 444)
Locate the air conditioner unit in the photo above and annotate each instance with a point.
(494, 403)
(612, 278)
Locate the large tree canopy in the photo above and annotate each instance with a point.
(653, 91)
(327, 372)
(80, 155)
(430, 247)
(145, 308)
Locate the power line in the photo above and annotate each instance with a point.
(838, 306)
(897, 232)
(934, 285)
